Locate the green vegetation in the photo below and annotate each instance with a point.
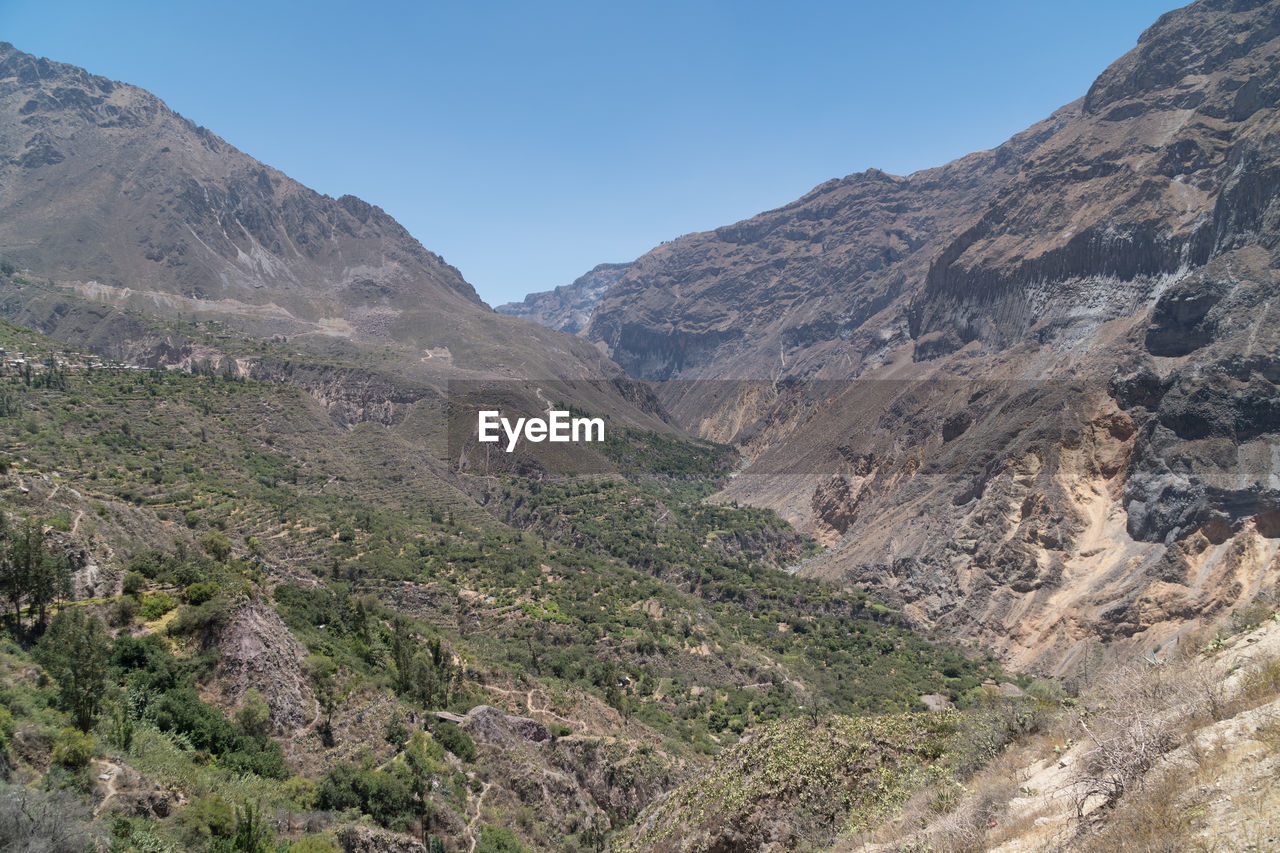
(74, 653)
(31, 574)
(626, 593)
(456, 741)
(498, 839)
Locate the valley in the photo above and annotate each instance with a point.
(928, 512)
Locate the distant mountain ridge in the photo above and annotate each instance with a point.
(568, 308)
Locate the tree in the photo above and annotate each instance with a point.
(53, 822)
(30, 572)
(323, 674)
(421, 776)
(74, 653)
(217, 545)
(498, 839)
(425, 675)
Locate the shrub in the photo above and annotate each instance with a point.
(50, 823)
(6, 731)
(253, 833)
(385, 796)
(149, 564)
(208, 616)
(498, 839)
(156, 605)
(216, 545)
(134, 582)
(206, 818)
(254, 716)
(73, 749)
(1133, 729)
(126, 608)
(455, 740)
(199, 593)
(300, 790)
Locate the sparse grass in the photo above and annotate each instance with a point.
(1137, 763)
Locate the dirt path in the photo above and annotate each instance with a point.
(528, 702)
(472, 840)
(112, 771)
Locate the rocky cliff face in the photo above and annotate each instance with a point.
(1171, 161)
(569, 307)
(784, 293)
(1030, 395)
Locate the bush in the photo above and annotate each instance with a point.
(254, 716)
(214, 613)
(146, 663)
(498, 839)
(156, 605)
(6, 731)
(301, 791)
(74, 749)
(134, 582)
(149, 564)
(1133, 729)
(50, 823)
(456, 741)
(216, 545)
(205, 819)
(126, 608)
(183, 712)
(199, 593)
(384, 796)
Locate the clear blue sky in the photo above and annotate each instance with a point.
(527, 142)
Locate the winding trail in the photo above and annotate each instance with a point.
(528, 702)
(112, 771)
(475, 818)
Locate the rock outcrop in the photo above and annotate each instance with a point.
(260, 653)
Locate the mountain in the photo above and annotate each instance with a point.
(779, 294)
(1029, 395)
(178, 214)
(110, 199)
(568, 308)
